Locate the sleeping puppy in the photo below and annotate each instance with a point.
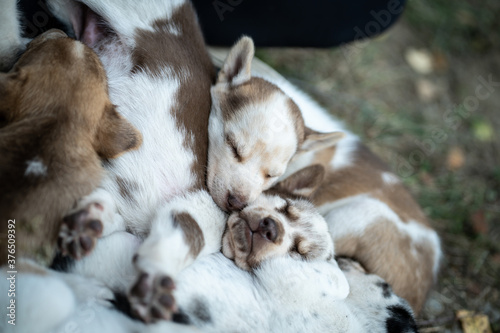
(57, 123)
(262, 130)
(280, 223)
(255, 128)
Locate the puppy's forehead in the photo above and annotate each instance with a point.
(269, 201)
(260, 100)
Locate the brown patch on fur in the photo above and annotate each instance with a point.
(365, 176)
(187, 52)
(289, 212)
(325, 156)
(383, 250)
(29, 267)
(60, 131)
(192, 232)
(298, 121)
(115, 135)
(301, 184)
(126, 187)
(255, 90)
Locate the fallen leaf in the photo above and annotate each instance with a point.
(479, 223)
(426, 90)
(474, 323)
(483, 130)
(440, 61)
(419, 60)
(455, 159)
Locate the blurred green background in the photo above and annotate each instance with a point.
(417, 96)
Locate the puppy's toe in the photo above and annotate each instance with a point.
(79, 231)
(151, 298)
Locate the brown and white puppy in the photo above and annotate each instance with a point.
(280, 223)
(254, 130)
(373, 218)
(57, 122)
(262, 129)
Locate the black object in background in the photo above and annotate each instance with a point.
(300, 23)
(313, 23)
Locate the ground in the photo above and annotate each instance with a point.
(418, 96)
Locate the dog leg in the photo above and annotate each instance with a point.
(95, 216)
(183, 230)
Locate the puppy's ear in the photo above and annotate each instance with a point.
(115, 135)
(236, 68)
(303, 182)
(316, 140)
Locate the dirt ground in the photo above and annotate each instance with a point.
(419, 97)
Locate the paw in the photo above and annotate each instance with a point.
(80, 230)
(151, 298)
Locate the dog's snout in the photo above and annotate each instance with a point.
(234, 203)
(267, 229)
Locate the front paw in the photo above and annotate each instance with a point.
(79, 231)
(151, 298)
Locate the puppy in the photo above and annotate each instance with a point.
(263, 130)
(216, 296)
(255, 129)
(279, 224)
(160, 76)
(57, 123)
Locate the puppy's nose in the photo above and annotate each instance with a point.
(234, 203)
(267, 229)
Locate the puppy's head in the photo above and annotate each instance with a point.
(60, 78)
(254, 130)
(279, 223)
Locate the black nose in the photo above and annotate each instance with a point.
(267, 229)
(234, 203)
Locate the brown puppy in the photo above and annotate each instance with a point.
(56, 122)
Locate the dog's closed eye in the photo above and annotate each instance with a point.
(230, 142)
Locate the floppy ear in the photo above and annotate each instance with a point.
(236, 68)
(303, 182)
(115, 135)
(316, 140)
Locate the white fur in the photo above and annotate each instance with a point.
(353, 215)
(37, 310)
(125, 16)
(111, 262)
(165, 251)
(247, 179)
(35, 167)
(11, 41)
(315, 117)
(218, 297)
(79, 50)
(389, 178)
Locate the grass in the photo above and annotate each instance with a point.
(448, 158)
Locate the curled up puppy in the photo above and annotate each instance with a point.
(262, 130)
(279, 224)
(56, 124)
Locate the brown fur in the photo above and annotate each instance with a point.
(156, 49)
(192, 232)
(56, 110)
(382, 248)
(365, 176)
